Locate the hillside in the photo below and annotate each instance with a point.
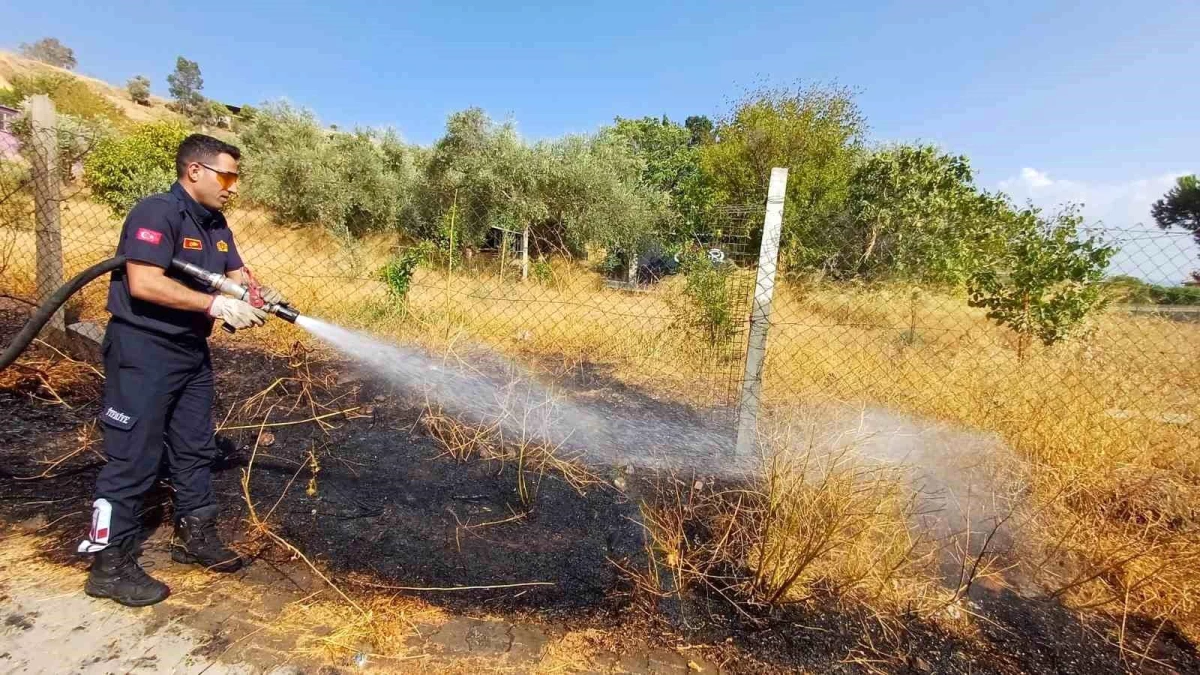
(12, 65)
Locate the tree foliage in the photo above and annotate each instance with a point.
(50, 50)
(817, 133)
(350, 183)
(1180, 207)
(122, 170)
(139, 89)
(672, 161)
(1045, 281)
(185, 85)
(700, 130)
(485, 169)
(912, 212)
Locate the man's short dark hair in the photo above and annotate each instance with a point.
(204, 149)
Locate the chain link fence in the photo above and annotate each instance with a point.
(674, 321)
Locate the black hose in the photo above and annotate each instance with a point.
(52, 304)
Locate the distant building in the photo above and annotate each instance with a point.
(7, 115)
(9, 145)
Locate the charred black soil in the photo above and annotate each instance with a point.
(374, 499)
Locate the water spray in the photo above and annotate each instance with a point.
(211, 280)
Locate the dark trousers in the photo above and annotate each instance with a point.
(158, 398)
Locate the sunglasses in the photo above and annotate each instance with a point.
(227, 179)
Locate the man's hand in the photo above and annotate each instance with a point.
(235, 313)
(271, 295)
(245, 277)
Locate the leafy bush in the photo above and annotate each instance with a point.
(709, 300)
(913, 212)
(398, 272)
(139, 89)
(16, 203)
(1046, 281)
(542, 271)
(671, 159)
(75, 139)
(122, 170)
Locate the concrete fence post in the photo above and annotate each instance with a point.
(525, 253)
(47, 200)
(760, 315)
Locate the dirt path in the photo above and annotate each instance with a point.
(267, 620)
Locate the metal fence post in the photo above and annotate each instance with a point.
(760, 314)
(47, 200)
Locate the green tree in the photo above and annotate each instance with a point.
(1180, 207)
(485, 169)
(700, 129)
(594, 194)
(185, 85)
(672, 163)
(816, 132)
(912, 212)
(139, 89)
(50, 50)
(349, 183)
(1046, 281)
(123, 169)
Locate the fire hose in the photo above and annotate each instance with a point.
(212, 281)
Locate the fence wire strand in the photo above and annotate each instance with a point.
(678, 330)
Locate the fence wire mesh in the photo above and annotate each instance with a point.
(674, 323)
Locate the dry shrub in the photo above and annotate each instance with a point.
(816, 522)
(837, 524)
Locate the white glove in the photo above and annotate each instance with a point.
(271, 295)
(236, 313)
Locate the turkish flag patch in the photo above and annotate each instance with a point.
(148, 236)
(192, 244)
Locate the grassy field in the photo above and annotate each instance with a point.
(1104, 430)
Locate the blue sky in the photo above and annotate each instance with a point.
(1088, 101)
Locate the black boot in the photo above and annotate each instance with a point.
(196, 541)
(116, 574)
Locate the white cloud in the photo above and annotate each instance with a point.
(1122, 209)
(1034, 178)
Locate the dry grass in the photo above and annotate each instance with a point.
(816, 523)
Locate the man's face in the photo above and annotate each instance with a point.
(214, 182)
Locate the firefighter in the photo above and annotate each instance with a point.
(158, 390)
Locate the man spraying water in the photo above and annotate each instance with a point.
(158, 390)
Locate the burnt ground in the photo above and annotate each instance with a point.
(390, 509)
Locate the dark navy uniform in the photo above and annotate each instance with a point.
(158, 391)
